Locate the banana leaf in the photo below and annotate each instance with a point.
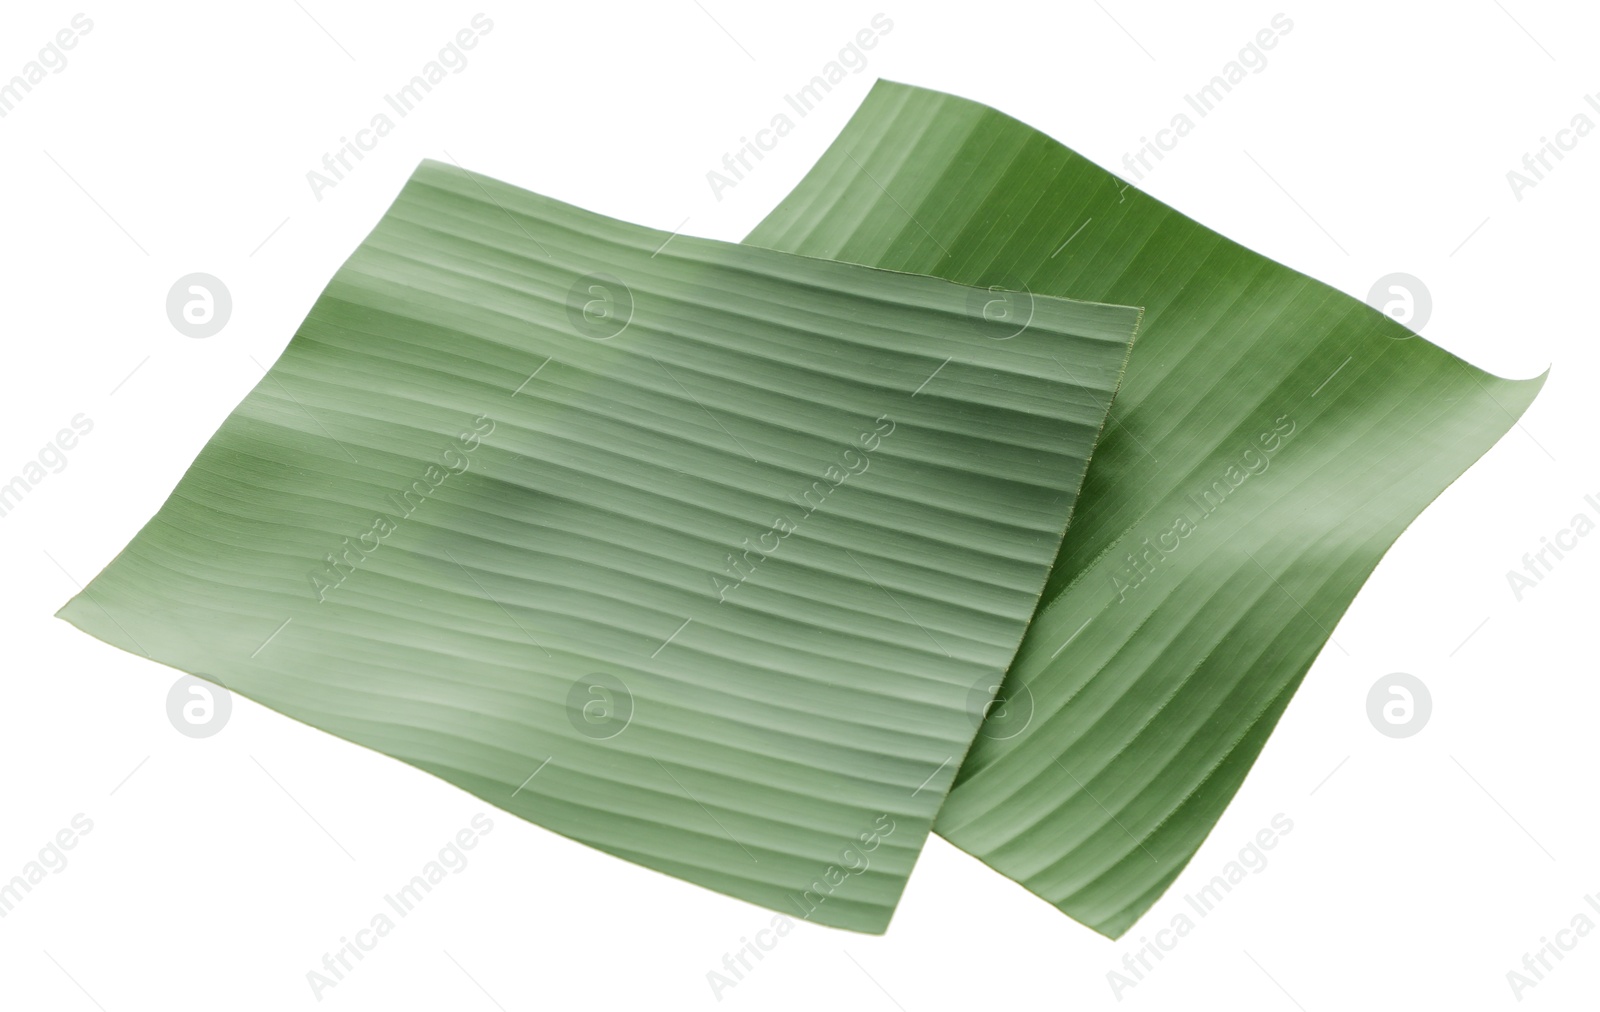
(1271, 439)
(705, 555)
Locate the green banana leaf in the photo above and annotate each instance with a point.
(706, 555)
(1271, 439)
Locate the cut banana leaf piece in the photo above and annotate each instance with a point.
(1271, 439)
(705, 555)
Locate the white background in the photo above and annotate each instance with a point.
(178, 139)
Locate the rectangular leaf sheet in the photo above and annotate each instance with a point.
(705, 555)
(1271, 439)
